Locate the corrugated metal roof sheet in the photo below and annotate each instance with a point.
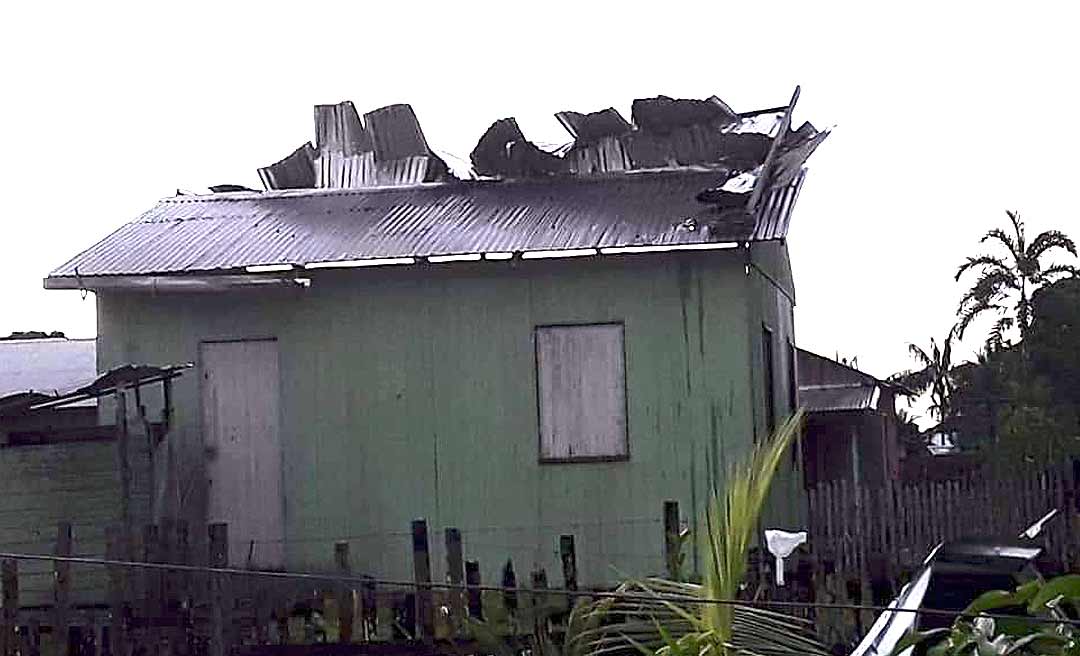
(838, 398)
(45, 365)
(231, 231)
(64, 391)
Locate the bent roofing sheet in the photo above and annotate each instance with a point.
(65, 390)
(838, 398)
(230, 231)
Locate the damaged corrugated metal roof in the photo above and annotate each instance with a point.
(227, 232)
(680, 173)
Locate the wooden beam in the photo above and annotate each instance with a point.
(218, 556)
(568, 554)
(9, 580)
(425, 619)
(345, 592)
(61, 589)
(455, 573)
(672, 541)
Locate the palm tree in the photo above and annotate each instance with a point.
(1005, 284)
(672, 618)
(934, 374)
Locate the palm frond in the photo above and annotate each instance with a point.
(1008, 241)
(984, 262)
(678, 618)
(918, 381)
(996, 340)
(1049, 240)
(1050, 273)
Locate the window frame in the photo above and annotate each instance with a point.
(625, 437)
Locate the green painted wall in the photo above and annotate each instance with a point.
(41, 486)
(411, 393)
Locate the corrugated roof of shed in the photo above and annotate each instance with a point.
(230, 231)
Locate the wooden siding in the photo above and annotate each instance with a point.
(43, 485)
(581, 391)
(412, 393)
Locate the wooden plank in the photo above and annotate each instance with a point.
(368, 609)
(61, 589)
(425, 619)
(151, 595)
(509, 585)
(568, 555)
(9, 583)
(345, 592)
(220, 602)
(123, 455)
(455, 574)
(184, 587)
(672, 550)
(472, 580)
(116, 592)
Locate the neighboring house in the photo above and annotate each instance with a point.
(58, 462)
(519, 358)
(851, 426)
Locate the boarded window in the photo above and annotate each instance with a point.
(581, 375)
(770, 379)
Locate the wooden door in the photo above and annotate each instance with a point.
(240, 388)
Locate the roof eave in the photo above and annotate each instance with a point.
(165, 283)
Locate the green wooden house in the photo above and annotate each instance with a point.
(520, 357)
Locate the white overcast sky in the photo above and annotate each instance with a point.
(946, 114)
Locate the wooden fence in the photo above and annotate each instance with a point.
(878, 532)
(164, 598)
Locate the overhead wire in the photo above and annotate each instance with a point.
(593, 594)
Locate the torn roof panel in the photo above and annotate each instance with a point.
(839, 398)
(66, 391)
(227, 232)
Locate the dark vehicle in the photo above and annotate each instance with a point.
(953, 576)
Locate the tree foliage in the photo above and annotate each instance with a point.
(1005, 283)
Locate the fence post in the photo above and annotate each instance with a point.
(455, 573)
(9, 579)
(184, 596)
(220, 617)
(425, 620)
(569, 561)
(509, 584)
(472, 581)
(61, 589)
(672, 541)
(345, 592)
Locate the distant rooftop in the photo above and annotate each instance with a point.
(45, 365)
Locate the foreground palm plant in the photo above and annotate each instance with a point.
(670, 618)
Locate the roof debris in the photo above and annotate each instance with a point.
(680, 174)
(503, 150)
(389, 150)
